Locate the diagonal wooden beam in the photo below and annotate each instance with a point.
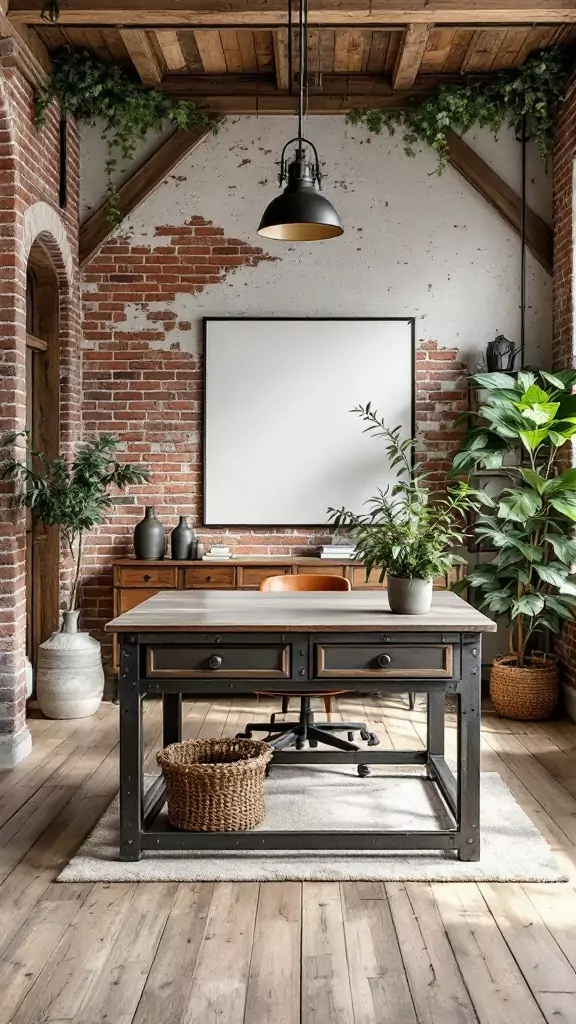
(539, 235)
(142, 55)
(97, 229)
(36, 62)
(273, 12)
(280, 43)
(169, 44)
(410, 56)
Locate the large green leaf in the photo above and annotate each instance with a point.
(540, 413)
(553, 573)
(533, 393)
(529, 604)
(566, 505)
(553, 379)
(495, 381)
(531, 439)
(534, 479)
(518, 504)
(563, 547)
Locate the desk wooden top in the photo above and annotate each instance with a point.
(355, 611)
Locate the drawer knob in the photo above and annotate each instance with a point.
(384, 660)
(147, 578)
(208, 578)
(215, 661)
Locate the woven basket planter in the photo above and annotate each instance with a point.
(215, 785)
(528, 693)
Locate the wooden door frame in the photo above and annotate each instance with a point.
(43, 338)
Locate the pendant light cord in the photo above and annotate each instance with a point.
(302, 63)
(523, 250)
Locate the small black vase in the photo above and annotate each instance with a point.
(182, 540)
(150, 537)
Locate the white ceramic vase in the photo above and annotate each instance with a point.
(69, 674)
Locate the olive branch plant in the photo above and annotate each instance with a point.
(74, 494)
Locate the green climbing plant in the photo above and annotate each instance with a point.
(530, 95)
(88, 88)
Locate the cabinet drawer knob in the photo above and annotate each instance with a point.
(215, 661)
(146, 578)
(208, 578)
(384, 660)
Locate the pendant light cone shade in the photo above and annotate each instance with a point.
(301, 213)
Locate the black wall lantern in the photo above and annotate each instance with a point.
(301, 213)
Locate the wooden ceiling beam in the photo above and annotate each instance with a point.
(171, 50)
(539, 235)
(273, 12)
(142, 55)
(410, 55)
(280, 44)
(96, 229)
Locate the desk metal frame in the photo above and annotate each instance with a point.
(140, 829)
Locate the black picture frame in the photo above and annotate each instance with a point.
(411, 320)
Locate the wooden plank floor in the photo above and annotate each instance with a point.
(277, 953)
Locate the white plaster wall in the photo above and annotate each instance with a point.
(414, 243)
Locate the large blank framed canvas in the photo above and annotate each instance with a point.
(280, 442)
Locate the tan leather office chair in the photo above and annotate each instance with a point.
(286, 734)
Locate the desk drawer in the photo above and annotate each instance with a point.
(252, 576)
(369, 661)
(218, 577)
(163, 576)
(248, 661)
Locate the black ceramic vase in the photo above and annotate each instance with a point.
(182, 540)
(150, 537)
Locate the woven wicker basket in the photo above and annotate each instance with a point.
(525, 693)
(215, 785)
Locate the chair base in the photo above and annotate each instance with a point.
(296, 734)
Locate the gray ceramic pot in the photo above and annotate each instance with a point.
(182, 541)
(409, 596)
(150, 537)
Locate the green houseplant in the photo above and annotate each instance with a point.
(408, 533)
(529, 417)
(75, 495)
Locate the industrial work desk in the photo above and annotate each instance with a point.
(211, 642)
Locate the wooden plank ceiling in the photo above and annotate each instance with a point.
(353, 59)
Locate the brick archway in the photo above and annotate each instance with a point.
(38, 229)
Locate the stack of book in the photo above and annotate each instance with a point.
(219, 551)
(339, 551)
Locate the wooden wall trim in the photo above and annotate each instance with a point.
(539, 235)
(97, 229)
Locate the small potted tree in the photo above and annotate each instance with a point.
(74, 495)
(529, 581)
(408, 533)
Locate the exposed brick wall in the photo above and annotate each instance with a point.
(143, 385)
(29, 212)
(563, 297)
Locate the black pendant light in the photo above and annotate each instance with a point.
(301, 213)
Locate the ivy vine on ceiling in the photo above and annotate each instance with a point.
(525, 98)
(88, 88)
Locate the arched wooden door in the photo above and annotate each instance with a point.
(43, 422)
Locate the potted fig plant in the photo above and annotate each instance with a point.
(529, 418)
(74, 495)
(408, 532)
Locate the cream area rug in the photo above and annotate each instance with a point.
(333, 797)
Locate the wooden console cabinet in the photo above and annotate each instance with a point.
(135, 581)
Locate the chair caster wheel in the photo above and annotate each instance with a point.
(374, 740)
(363, 770)
(364, 734)
(299, 743)
(243, 735)
(312, 743)
(273, 719)
(267, 770)
(351, 737)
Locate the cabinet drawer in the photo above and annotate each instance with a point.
(130, 598)
(217, 576)
(162, 576)
(359, 578)
(324, 569)
(248, 661)
(425, 661)
(252, 576)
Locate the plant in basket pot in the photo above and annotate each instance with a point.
(408, 532)
(526, 419)
(74, 495)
